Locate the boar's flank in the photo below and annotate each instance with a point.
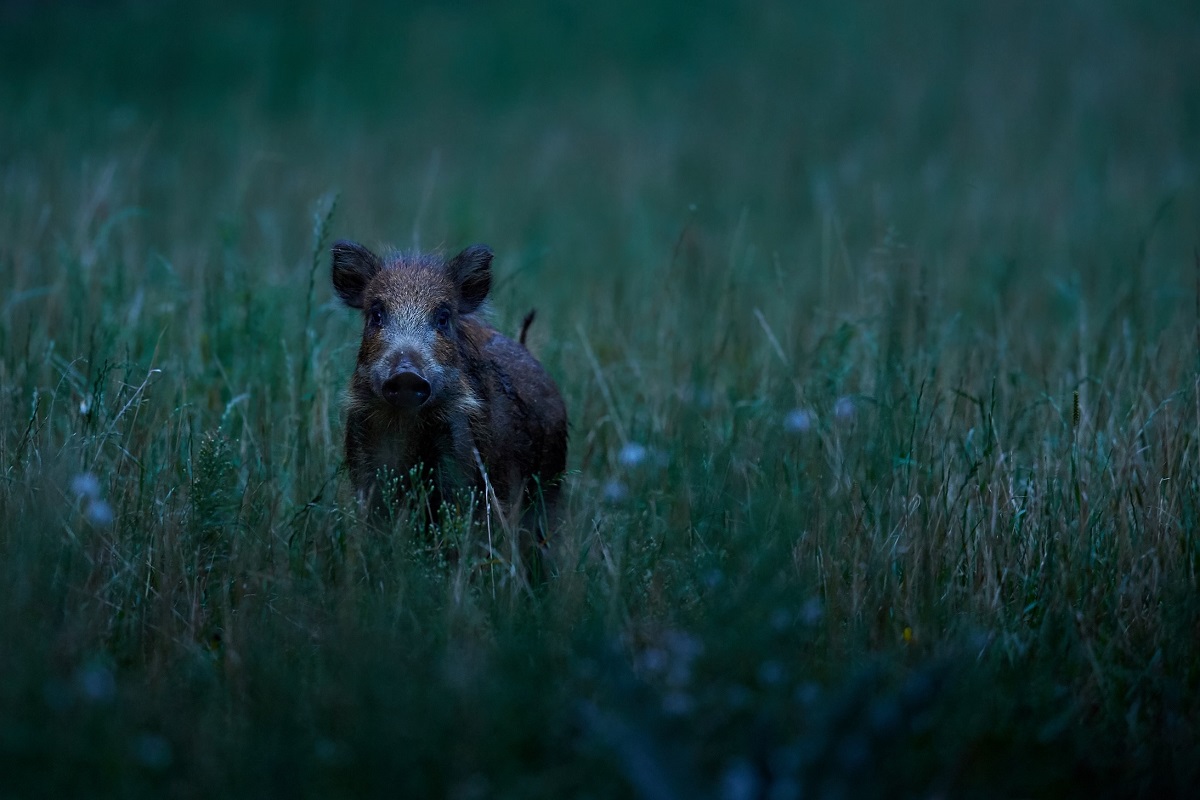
(435, 384)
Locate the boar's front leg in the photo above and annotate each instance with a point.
(363, 464)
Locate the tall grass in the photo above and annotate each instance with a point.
(877, 329)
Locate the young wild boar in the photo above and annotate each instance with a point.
(438, 389)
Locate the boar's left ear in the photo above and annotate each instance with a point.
(471, 271)
(353, 267)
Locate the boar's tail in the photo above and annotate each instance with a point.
(525, 323)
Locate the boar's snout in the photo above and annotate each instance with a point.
(402, 383)
(406, 388)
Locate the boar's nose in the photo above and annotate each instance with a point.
(407, 389)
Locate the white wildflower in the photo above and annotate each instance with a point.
(844, 407)
(100, 513)
(85, 484)
(633, 454)
(799, 420)
(615, 491)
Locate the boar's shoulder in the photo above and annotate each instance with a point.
(527, 419)
(522, 380)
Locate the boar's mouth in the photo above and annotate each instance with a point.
(405, 389)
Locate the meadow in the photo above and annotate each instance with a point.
(878, 325)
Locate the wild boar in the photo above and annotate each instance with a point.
(439, 391)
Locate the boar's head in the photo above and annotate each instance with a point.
(415, 317)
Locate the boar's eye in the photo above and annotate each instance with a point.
(441, 320)
(375, 315)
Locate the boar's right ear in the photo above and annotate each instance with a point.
(471, 271)
(353, 266)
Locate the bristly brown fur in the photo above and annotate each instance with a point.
(490, 401)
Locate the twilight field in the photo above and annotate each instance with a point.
(876, 323)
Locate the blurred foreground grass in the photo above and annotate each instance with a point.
(876, 323)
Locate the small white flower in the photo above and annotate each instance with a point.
(86, 487)
(615, 491)
(100, 513)
(85, 484)
(844, 407)
(96, 683)
(799, 420)
(633, 454)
